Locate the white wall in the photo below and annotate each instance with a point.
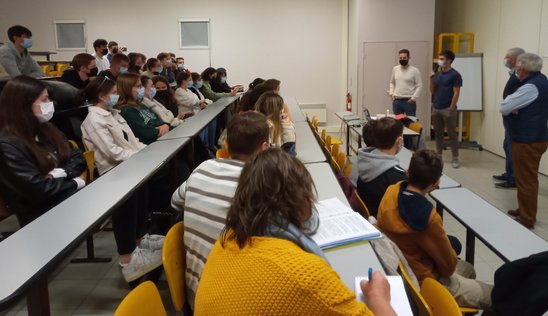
(298, 42)
(387, 21)
(498, 25)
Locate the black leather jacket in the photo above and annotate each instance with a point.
(27, 192)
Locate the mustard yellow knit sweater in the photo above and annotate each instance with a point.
(271, 277)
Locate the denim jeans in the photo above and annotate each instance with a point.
(400, 106)
(507, 146)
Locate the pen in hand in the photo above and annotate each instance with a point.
(370, 274)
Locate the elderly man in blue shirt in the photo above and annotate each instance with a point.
(527, 112)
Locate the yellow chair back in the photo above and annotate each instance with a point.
(341, 159)
(439, 299)
(173, 258)
(90, 162)
(61, 67)
(348, 169)
(418, 299)
(142, 300)
(335, 151)
(323, 134)
(222, 153)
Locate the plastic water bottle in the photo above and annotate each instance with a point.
(387, 112)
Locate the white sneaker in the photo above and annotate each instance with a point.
(152, 242)
(142, 262)
(455, 163)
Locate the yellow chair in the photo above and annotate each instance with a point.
(341, 160)
(348, 169)
(142, 300)
(416, 127)
(315, 123)
(46, 69)
(61, 67)
(323, 135)
(439, 299)
(222, 153)
(416, 297)
(335, 151)
(334, 164)
(173, 258)
(90, 161)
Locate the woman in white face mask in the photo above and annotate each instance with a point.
(38, 167)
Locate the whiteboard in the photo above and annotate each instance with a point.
(471, 93)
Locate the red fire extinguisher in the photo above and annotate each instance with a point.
(349, 102)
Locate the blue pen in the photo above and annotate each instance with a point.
(370, 273)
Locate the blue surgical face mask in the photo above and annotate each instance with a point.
(123, 70)
(152, 93)
(181, 66)
(441, 63)
(189, 85)
(199, 84)
(159, 69)
(27, 43)
(113, 100)
(223, 79)
(141, 93)
(506, 63)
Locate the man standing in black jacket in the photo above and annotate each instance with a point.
(512, 85)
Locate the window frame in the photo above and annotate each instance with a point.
(180, 31)
(56, 22)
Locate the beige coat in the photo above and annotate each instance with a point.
(103, 133)
(187, 101)
(160, 110)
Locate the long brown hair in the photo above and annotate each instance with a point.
(272, 184)
(18, 120)
(271, 105)
(124, 85)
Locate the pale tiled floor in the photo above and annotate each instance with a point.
(97, 288)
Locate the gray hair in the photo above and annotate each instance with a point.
(515, 51)
(529, 62)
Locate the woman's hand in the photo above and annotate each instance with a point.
(377, 293)
(162, 130)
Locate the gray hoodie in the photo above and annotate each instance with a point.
(372, 162)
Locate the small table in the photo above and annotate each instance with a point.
(503, 235)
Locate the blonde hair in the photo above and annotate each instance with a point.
(271, 105)
(124, 84)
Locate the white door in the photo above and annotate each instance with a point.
(378, 60)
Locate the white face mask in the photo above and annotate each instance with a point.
(47, 109)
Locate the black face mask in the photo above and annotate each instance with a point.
(404, 62)
(105, 51)
(93, 72)
(115, 50)
(161, 95)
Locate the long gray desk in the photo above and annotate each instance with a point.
(350, 260)
(308, 148)
(507, 238)
(297, 114)
(405, 157)
(193, 125)
(30, 253)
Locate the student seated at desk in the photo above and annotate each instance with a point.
(249, 99)
(144, 123)
(276, 85)
(158, 108)
(164, 95)
(14, 54)
(378, 166)
(197, 84)
(208, 75)
(119, 65)
(219, 84)
(205, 196)
(409, 219)
(152, 68)
(136, 62)
(38, 167)
(264, 261)
(187, 101)
(107, 134)
(79, 74)
(282, 131)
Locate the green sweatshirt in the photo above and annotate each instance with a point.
(210, 94)
(142, 121)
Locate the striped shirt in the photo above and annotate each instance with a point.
(205, 198)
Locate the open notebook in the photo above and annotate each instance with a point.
(398, 296)
(340, 225)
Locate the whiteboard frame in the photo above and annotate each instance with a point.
(471, 55)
